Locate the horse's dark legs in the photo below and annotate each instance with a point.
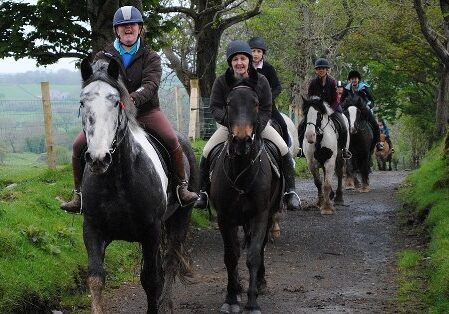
(231, 258)
(254, 259)
(261, 282)
(151, 273)
(95, 246)
(364, 172)
(340, 164)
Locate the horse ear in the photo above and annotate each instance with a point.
(113, 69)
(86, 69)
(229, 77)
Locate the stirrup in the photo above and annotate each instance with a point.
(180, 185)
(293, 192)
(349, 156)
(199, 198)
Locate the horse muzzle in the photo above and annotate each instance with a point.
(98, 164)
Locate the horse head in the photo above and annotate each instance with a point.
(315, 109)
(106, 107)
(242, 107)
(356, 111)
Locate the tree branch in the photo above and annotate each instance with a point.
(187, 11)
(226, 23)
(176, 64)
(430, 34)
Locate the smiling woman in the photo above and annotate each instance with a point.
(9, 65)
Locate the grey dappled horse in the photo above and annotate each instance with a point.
(124, 189)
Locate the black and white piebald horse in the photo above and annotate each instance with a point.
(124, 189)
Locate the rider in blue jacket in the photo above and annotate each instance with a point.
(358, 87)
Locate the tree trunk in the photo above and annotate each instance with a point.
(100, 14)
(442, 103)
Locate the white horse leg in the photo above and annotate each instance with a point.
(96, 288)
(327, 207)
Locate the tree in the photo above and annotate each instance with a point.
(204, 21)
(439, 43)
(54, 29)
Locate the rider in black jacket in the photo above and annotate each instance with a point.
(259, 48)
(325, 87)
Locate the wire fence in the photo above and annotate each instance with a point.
(22, 123)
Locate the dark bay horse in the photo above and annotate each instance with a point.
(321, 151)
(361, 142)
(124, 189)
(245, 191)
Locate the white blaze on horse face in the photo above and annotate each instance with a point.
(100, 125)
(310, 134)
(352, 116)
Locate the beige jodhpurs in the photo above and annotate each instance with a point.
(221, 135)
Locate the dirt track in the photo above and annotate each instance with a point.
(343, 263)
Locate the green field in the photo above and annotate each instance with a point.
(33, 91)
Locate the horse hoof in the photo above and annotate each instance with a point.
(339, 202)
(230, 308)
(364, 190)
(327, 212)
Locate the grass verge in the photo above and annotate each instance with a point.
(427, 192)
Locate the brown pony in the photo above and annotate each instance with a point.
(383, 154)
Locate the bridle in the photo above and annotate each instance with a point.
(228, 156)
(121, 116)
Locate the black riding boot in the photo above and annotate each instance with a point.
(291, 199)
(342, 135)
(301, 132)
(203, 200)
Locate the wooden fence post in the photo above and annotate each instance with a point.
(45, 89)
(194, 109)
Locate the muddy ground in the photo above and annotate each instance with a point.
(345, 263)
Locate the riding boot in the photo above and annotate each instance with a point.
(301, 132)
(185, 197)
(291, 199)
(203, 200)
(75, 205)
(342, 135)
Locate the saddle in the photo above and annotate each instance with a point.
(162, 151)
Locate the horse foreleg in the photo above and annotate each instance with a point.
(254, 258)
(95, 247)
(327, 207)
(340, 163)
(231, 258)
(318, 183)
(364, 172)
(151, 272)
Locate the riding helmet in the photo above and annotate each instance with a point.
(126, 15)
(354, 73)
(258, 43)
(339, 84)
(238, 46)
(322, 63)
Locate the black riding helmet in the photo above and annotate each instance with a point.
(354, 73)
(258, 43)
(322, 63)
(236, 47)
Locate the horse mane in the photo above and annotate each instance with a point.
(317, 103)
(100, 73)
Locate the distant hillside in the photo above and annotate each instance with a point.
(63, 77)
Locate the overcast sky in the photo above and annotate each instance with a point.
(9, 65)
